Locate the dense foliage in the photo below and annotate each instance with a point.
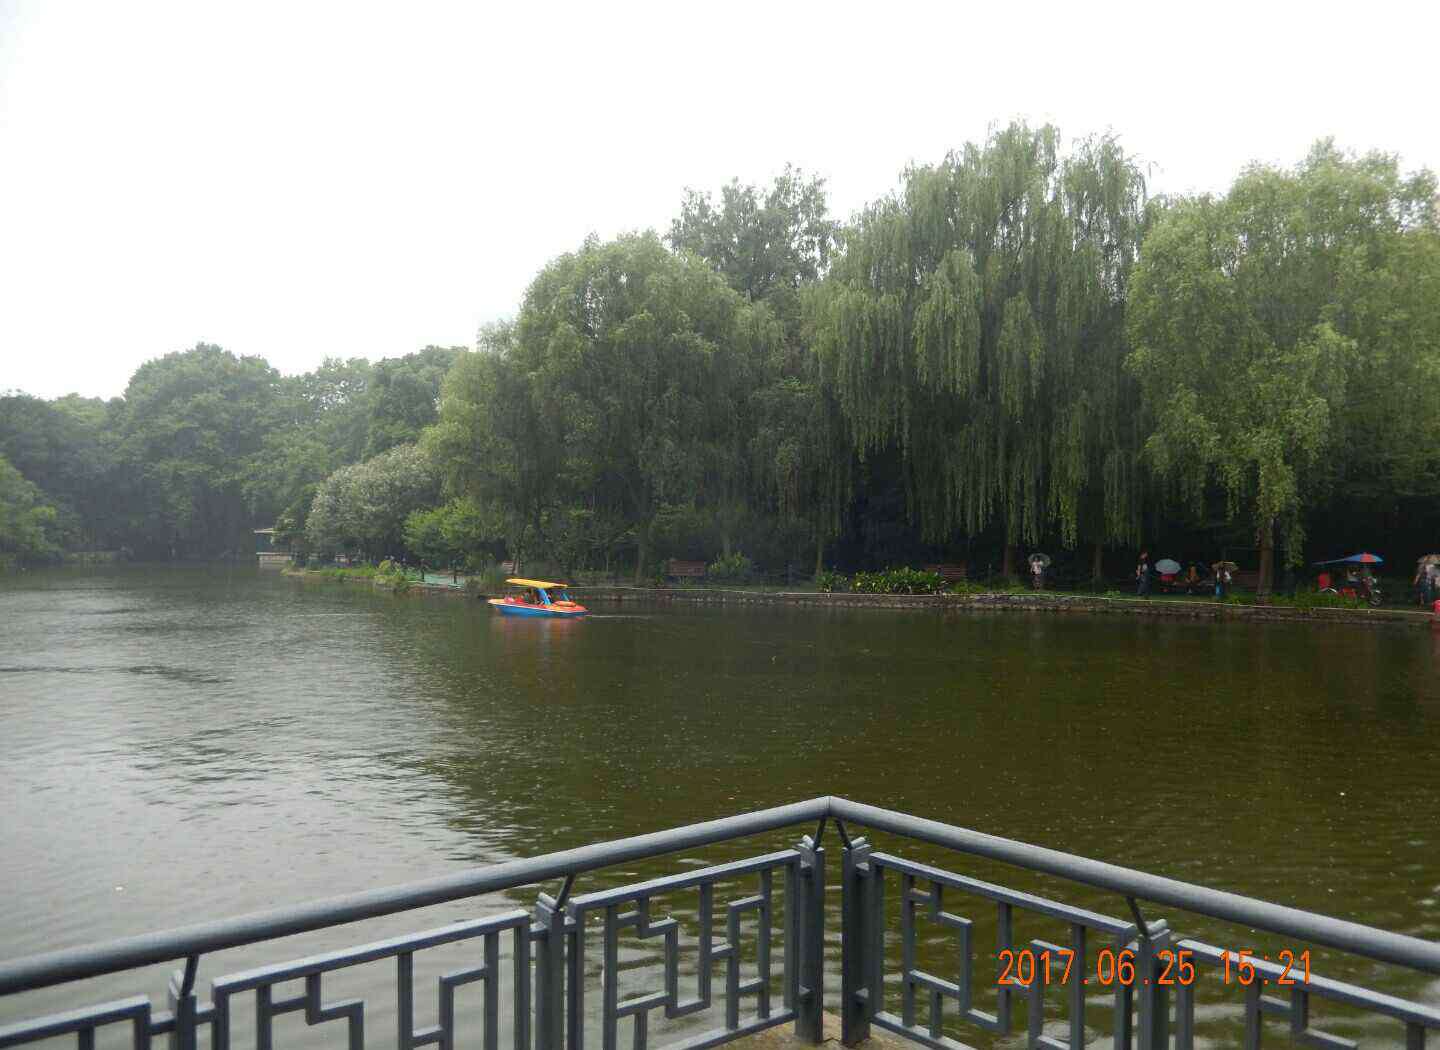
(898, 581)
(971, 333)
(29, 526)
(205, 446)
(1286, 342)
(1015, 349)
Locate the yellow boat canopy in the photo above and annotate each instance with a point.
(536, 583)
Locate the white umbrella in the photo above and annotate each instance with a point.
(1166, 566)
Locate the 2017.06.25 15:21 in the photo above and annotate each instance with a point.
(1026, 966)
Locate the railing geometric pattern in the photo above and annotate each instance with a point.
(551, 963)
(1414, 1018)
(638, 897)
(930, 902)
(1141, 1012)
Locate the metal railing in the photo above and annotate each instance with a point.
(547, 968)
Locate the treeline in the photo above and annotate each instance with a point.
(1015, 349)
(202, 446)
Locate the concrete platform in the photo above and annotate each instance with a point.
(782, 1037)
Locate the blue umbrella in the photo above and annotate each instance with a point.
(1363, 558)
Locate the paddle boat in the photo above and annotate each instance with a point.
(540, 598)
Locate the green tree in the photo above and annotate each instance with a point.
(1277, 340)
(767, 244)
(67, 448)
(320, 423)
(364, 507)
(458, 533)
(1096, 440)
(29, 525)
(969, 328)
(497, 443)
(191, 424)
(403, 396)
(782, 448)
(335, 403)
(632, 348)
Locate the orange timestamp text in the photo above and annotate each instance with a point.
(1025, 967)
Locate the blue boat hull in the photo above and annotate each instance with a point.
(511, 609)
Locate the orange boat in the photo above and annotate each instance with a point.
(540, 598)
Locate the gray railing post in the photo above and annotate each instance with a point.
(810, 907)
(856, 942)
(183, 1005)
(1154, 1001)
(549, 974)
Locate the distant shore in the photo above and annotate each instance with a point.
(999, 601)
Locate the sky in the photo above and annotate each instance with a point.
(309, 178)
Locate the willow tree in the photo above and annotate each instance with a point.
(635, 354)
(956, 327)
(1285, 336)
(1098, 438)
(497, 445)
(787, 454)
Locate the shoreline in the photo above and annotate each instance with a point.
(999, 601)
(1018, 601)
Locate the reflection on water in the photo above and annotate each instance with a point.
(187, 744)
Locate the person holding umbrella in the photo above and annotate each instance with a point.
(1142, 575)
(1168, 570)
(1427, 575)
(1038, 564)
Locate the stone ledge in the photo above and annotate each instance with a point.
(1009, 601)
(782, 1037)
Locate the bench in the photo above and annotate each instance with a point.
(950, 573)
(1245, 579)
(676, 567)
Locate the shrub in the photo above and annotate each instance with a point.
(733, 567)
(830, 581)
(1316, 600)
(898, 581)
(490, 579)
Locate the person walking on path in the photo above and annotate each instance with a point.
(1142, 575)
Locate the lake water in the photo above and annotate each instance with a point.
(187, 744)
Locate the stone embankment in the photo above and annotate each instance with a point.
(1000, 601)
(1011, 601)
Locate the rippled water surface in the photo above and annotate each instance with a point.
(186, 744)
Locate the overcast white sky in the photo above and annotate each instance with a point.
(304, 179)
